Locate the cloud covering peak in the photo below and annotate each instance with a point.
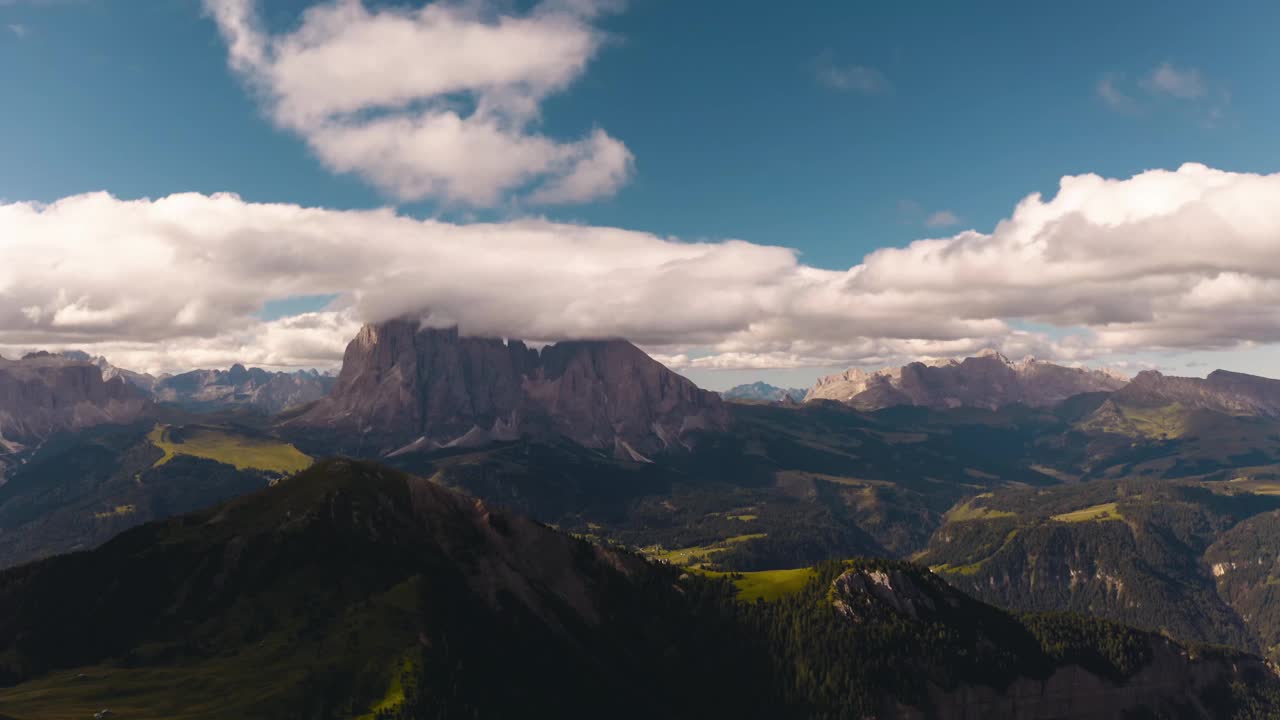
(1165, 259)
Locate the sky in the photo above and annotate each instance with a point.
(745, 191)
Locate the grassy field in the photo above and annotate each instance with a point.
(683, 556)
(242, 451)
(772, 584)
(1094, 513)
(766, 585)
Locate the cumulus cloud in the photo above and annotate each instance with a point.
(440, 101)
(1163, 260)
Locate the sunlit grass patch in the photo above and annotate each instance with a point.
(1093, 513)
(967, 511)
(117, 511)
(684, 556)
(242, 451)
(766, 585)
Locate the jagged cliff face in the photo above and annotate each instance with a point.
(402, 387)
(989, 380)
(267, 391)
(43, 394)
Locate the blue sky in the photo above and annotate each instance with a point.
(836, 128)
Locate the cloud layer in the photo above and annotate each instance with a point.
(439, 102)
(1165, 259)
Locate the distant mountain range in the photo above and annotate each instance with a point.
(989, 380)
(764, 392)
(236, 387)
(269, 392)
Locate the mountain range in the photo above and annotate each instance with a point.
(1031, 486)
(764, 392)
(989, 380)
(237, 387)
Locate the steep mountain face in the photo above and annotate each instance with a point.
(988, 381)
(270, 392)
(43, 394)
(351, 590)
(764, 392)
(1245, 565)
(405, 387)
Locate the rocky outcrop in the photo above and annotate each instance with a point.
(43, 394)
(988, 380)
(405, 388)
(270, 392)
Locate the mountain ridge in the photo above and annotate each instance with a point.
(988, 380)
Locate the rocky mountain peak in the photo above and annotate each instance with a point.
(406, 387)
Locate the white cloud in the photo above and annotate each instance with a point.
(18, 29)
(853, 78)
(440, 102)
(942, 218)
(1185, 259)
(1184, 84)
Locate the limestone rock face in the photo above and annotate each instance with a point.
(989, 380)
(403, 387)
(43, 394)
